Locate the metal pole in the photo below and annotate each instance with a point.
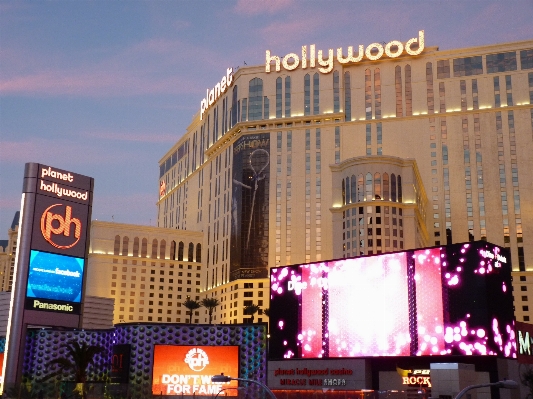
(258, 383)
(507, 384)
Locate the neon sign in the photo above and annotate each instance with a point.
(187, 370)
(213, 94)
(373, 52)
(47, 228)
(57, 175)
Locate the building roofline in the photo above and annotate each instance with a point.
(152, 229)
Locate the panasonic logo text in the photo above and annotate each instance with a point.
(52, 306)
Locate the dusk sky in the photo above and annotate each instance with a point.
(105, 88)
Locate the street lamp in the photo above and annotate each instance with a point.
(507, 384)
(226, 389)
(224, 378)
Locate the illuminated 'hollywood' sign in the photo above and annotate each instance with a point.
(373, 52)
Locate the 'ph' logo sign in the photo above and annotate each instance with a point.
(54, 223)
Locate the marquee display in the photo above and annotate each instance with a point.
(453, 300)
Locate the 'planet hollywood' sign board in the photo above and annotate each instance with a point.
(213, 94)
(58, 241)
(373, 52)
(52, 253)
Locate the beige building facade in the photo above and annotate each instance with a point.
(148, 271)
(260, 169)
(8, 252)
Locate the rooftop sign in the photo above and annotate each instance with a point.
(373, 52)
(213, 94)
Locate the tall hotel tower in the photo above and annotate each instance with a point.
(324, 153)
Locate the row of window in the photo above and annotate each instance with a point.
(468, 66)
(162, 249)
(368, 188)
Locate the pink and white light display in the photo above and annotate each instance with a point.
(452, 300)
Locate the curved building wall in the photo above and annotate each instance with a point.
(379, 205)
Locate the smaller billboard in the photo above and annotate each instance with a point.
(120, 364)
(54, 282)
(524, 338)
(187, 370)
(60, 226)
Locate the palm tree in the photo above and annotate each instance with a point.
(251, 310)
(526, 378)
(210, 304)
(192, 305)
(266, 311)
(78, 357)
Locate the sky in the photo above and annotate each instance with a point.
(105, 88)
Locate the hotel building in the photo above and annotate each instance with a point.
(313, 157)
(147, 271)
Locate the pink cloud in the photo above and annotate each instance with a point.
(150, 67)
(168, 138)
(46, 151)
(256, 7)
(11, 202)
(136, 208)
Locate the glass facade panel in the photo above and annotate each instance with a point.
(526, 59)
(287, 97)
(307, 94)
(336, 92)
(443, 69)
(377, 93)
(501, 62)
(368, 94)
(347, 97)
(398, 88)
(316, 94)
(255, 95)
(467, 66)
(408, 92)
(279, 96)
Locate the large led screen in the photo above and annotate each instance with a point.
(187, 370)
(453, 300)
(56, 277)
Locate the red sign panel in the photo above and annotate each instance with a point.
(187, 370)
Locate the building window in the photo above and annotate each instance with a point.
(279, 97)
(117, 245)
(316, 94)
(443, 69)
(307, 94)
(336, 92)
(501, 62)
(255, 95)
(398, 87)
(467, 66)
(526, 59)
(368, 94)
(287, 96)
(347, 97)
